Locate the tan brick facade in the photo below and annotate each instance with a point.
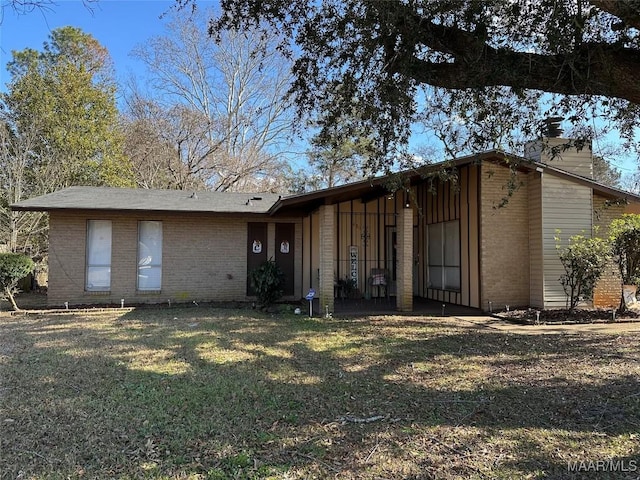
(404, 299)
(203, 258)
(609, 289)
(504, 239)
(326, 245)
(205, 255)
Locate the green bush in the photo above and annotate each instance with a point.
(13, 267)
(584, 260)
(624, 235)
(625, 245)
(267, 280)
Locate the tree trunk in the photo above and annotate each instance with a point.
(13, 232)
(12, 300)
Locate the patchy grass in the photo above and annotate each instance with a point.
(200, 393)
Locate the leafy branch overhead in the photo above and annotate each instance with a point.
(391, 57)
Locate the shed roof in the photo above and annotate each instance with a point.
(378, 186)
(137, 199)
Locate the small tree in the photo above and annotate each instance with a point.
(625, 245)
(584, 260)
(267, 282)
(13, 268)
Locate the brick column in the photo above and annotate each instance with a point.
(327, 240)
(404, 293)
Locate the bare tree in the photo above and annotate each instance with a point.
(24, 7)
(219, 106)
(21, 231)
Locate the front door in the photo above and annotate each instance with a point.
(285, 235)
(256, 249)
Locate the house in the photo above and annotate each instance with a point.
(465, 239)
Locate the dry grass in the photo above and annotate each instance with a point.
(200, 393)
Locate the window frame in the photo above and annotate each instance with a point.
(156, 258)
(92, 251)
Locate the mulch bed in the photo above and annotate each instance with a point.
(559, 316)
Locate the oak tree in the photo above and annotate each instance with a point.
(478, 61)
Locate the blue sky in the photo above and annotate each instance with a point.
(119, 25)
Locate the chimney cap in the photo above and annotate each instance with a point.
(552, 127)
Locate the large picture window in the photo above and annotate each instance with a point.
(149, 255)
(444, 255)
(98, 275)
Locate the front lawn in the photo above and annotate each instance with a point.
(199, 393)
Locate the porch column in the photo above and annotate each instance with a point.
(327, 239)
(404, 268)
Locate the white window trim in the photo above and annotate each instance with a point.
(156, 260)
(91, 224)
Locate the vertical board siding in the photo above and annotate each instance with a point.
(314, 263)
(567, 209)
(465, 244)
(306, 253)
(473, 218)
(364, 226)
(442, 201)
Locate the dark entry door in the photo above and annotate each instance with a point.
(285, 233)
(256, 249)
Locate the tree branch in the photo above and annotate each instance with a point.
(625, 11)
(591, 68)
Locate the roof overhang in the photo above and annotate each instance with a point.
(233, 204)
(376, 187)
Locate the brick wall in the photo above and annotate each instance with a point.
(203, 258)
(404, 298)
(327, 237)
(608, 290)
(504, 239)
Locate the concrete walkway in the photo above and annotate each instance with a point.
(594, 328)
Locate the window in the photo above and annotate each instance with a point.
(98, 276)
(149, 255)
(444, 255)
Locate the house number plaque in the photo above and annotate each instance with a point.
(353, 265)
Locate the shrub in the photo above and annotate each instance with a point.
(584, 260)
(624, 235)
(267, 282)
(13, 267)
